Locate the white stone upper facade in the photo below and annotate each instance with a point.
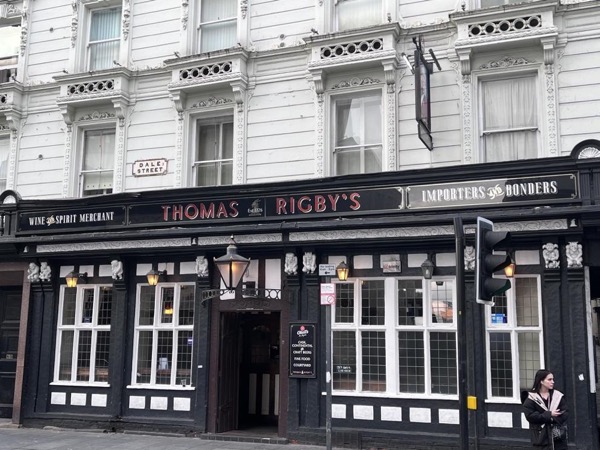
(135, 77)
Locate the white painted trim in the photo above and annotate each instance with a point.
(181, 404)
(58, 398)
(391, 414)
(338, 411)
(159, 403)
(496, 419)
(99, 400)
(362, 412)
(420, 415)
(137, 402)
(78, 399)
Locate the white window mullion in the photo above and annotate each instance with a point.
(154, 364)
(357, 333)
(488, 362)
(136, 336)
(57, 352)
(427, 350)
(359, 374)
(74, 366)
(427, 326)
(174, 357)
(94, 340)
(76, 331)
(391, 336)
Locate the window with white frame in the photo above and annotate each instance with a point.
(351, 14)
(509, 118)
(514, 338)
(10, 40)
(213, 162)
(217, 28)
(395, 336)
(164, 324)
(4, 153)
(104, 39)
(357, 134)
(97, 162)
(83, 334)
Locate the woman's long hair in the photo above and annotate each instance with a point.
(540, 376)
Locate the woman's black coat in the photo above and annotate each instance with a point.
(536, 415)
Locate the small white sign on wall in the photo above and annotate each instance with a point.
(327, 294)
(327, 270)
(148, 167)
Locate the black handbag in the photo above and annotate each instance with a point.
(539, 434)
(559, 432)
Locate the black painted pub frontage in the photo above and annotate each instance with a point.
(110, 350)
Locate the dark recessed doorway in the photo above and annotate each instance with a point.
(249, 371)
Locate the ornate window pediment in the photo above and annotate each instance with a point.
(506, 26)
(201, 74)
(108, 87)
(352, 50)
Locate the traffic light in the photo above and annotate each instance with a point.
(488, 263)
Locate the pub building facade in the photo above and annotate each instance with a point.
(188, 355)
(137, 137)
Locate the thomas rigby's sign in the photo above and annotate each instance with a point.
(302, 350)
(148, 167)
(326, 204)
(361, 201)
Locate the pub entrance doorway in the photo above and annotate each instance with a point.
(249, 372)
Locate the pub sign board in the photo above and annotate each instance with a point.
(72, 219)
(303, 350)
(302, 205)
(351, 202)
(493, 192)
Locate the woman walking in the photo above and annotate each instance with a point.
(546, 411)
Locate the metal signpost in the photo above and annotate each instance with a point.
(327, 300)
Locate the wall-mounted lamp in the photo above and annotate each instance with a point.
(232, 266)
(428, 267)
(342, 271)
(509, 270)
(168, 309)
(73, 278)
(154, 276)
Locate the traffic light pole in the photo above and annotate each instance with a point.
(462, 334)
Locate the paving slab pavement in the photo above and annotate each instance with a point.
(14, 438)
